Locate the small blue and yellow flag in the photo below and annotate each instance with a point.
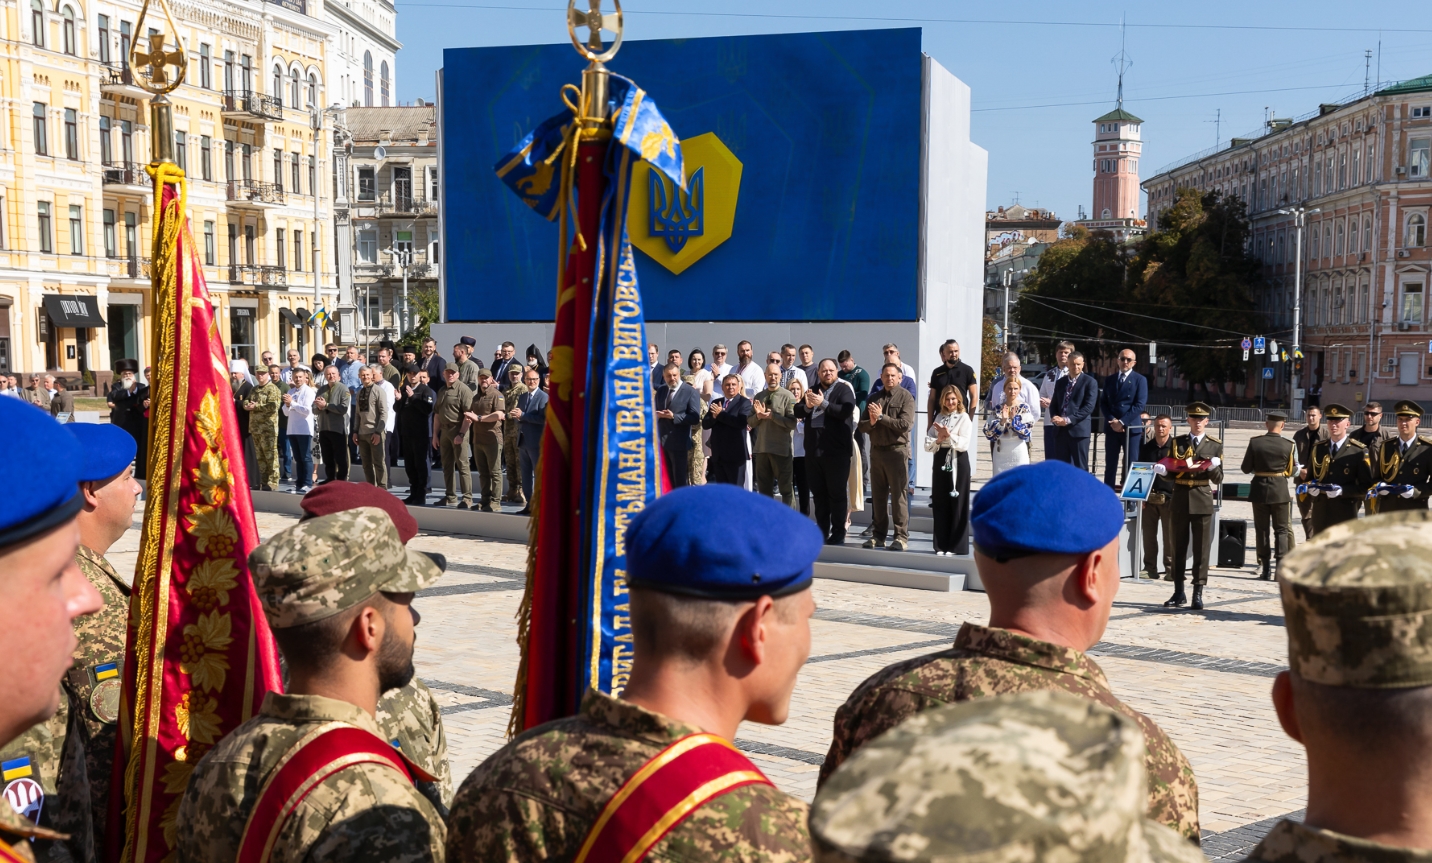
(106, 671)
(320, 317)
(16, 768)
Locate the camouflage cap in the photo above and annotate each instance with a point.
(319, 567)
(1358, 603)
(1036, 776)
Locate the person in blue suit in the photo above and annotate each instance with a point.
(1075, 397)
(1121, 400)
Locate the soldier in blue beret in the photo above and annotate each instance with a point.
(42, 593)
(76, 802)
(721, 627)
(1046, 542)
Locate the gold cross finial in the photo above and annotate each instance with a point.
(595, 21)
(156, 59)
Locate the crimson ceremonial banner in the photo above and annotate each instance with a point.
(200, 657)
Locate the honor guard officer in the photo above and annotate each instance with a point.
(1406, 463)
(1034, 776)
(1196, 465)
(312, 777)
(42, 595)
(1340, 473)
(1356, 694)
(720, 631)
(409, 716)
(1272, 459)
(1050, 570)
(83, 730)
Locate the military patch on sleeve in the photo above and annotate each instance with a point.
(104, 692)
(21, 788)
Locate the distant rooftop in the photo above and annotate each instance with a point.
(1412, 85)
(1118, 114)
(405, 124)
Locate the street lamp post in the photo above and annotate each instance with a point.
(404, 259)
(1300, 219)
(1008, 277)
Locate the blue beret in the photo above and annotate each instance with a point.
(40, 472)
(683, 543)
(1044, 508)
(105, 450)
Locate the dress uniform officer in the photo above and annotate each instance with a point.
(1272, 459)
(313, 777)
(1303, 440)
(1340, 472)
(1406, 463)
(43, 594)
(1033, 776)
(1197, 469)
(450, 438)
(1026, 533)
(1356, 694)
(699, 605)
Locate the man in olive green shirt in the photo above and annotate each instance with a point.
(774, 419)
(450, 437)
(486, 414)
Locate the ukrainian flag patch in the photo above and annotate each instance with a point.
(106, 671)
(17, 768)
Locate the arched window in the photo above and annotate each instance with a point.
(312, 90)
(37, 23)
(383, 82)
(1338, 247)
(1416, 230)
(1367, 233)
(1313, 246)
(367, 79)
(67, 32)
(1352, 246)
(1328, 241)
(294, 87)
(277, 91)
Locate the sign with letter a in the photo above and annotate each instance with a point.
(1139, 482)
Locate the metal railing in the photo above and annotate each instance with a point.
(407, 205)
(128, 268)
(117, 74)
(261, 276)
(253, 104)
(255, 192)
(125, 174)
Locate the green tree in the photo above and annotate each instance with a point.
(427, 310)
(1076, 292)
(991, 352)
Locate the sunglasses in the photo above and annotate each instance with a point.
(1371, 414)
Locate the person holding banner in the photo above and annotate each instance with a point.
(1406, 463)
(1195, 463)
(720, 631)
(1341, 472)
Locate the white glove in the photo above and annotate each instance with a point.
(1384, 491)
(1160, 470)
(1314, 492)
(1335, 491)
(1409, 494)
(1214, 462)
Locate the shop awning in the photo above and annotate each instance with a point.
(302, 315)
(293, 320)
(73, 310)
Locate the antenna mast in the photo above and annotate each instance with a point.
(1123, 61)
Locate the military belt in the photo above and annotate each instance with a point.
(1271, 473)
(1192, 483)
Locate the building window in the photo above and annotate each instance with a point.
(111, 247)
(47, 245)
(126, 140)
(229, 70)
(242, 334)
(1418, 151)
(206, 67)
(72, 134)
(246, 162)
(246, 72)
(367, 78)
(67, 30)
(312, 175)
(277, 92)
(383, 82)
(1313, 244)
(103, 23)
(295, 172)
(206, 157)
(229, 161)
(1412, 303)
(77, 230)
(37, 23)
(1352, 247)
(278, 167)
(298, 251)
(1416, 230)
(249, 245)
(1338, 245)
(106, 141)
(1367, 233)
(1342, 169)
(181, 154)
(1371, 174)
(209, 251)
(312, 90)
(279, 246)
(42, 140)
(1357, 167)
(368, 246)
(367, 187)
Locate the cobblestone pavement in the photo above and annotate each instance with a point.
(1204, 677)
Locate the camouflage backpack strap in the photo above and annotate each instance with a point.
(327, 749)
(676, 782)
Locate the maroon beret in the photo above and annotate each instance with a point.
(340, 496)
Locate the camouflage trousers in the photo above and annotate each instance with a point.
(512, 465)
(266, 454)
(697, 458)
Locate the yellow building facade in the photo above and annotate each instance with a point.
(76, 203)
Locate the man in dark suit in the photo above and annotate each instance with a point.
(829, 413)
(678, 408)
(414, 406)
(727, 421)
(1075, 397)
(531, 421)
(1122, 400)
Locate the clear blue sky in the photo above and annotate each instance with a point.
(1039, 72)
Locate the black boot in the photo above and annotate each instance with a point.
(1178, 600)
(1267, 574)
(1197, 604)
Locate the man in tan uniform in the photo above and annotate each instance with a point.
(450, 438)
(370, 429)
(337, 591)
(511, 457)
(486, 415)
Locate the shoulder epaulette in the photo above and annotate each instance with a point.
(1357, 443)
(1427, 439)
(1214, 439)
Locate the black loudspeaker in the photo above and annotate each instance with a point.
(1232, 541)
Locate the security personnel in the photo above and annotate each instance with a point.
(312, 776)
(1033, 776)
(43, 594)
(414, 405)
(1158, 508)
(1340, 472)
(463, 362)
(1303, 439)
(450, 438)
(1356, 692)
(1197, 469)
(720, 631)
(409, 715)
(513, 390)
(1406, 462)
(486, 416)
(1272, 459)
(263, 406)
(1050, 571)
(84, 728)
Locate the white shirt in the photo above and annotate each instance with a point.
(1046, 388)
(717, 373)
(698, 382)
(300, 412)
(14, 394)
(1335, 445)
(1028, 393)
(753, 378)
(389, 394)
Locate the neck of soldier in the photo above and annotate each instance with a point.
(701, 694)
(355, 682)
(1384, 798)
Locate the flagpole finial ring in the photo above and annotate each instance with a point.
(595, 21)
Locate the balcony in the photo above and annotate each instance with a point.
(404, 206)
(130, 176)
(118, 79)
(248, 105)
(258, 276)
(135, 269)
(255, 193)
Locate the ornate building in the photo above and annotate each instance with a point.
(1118, 144)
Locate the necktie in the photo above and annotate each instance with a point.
(1122, 377)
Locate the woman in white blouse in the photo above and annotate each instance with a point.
(298, 407)
(797, 388)
(1009, 427)
(949, 439)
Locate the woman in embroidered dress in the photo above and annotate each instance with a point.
(1009, 428)
(949, 439)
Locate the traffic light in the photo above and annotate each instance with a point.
(1298, 365)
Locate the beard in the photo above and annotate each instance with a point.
(395, 663)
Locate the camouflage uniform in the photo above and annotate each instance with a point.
(411, 719)
(25, 839)
(696, 456)
(72, 753)
(263, 428)
(1356, 602)
(536, 798)
(511, 458)
(364, 811)
(986, 661)
(1036, 776)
